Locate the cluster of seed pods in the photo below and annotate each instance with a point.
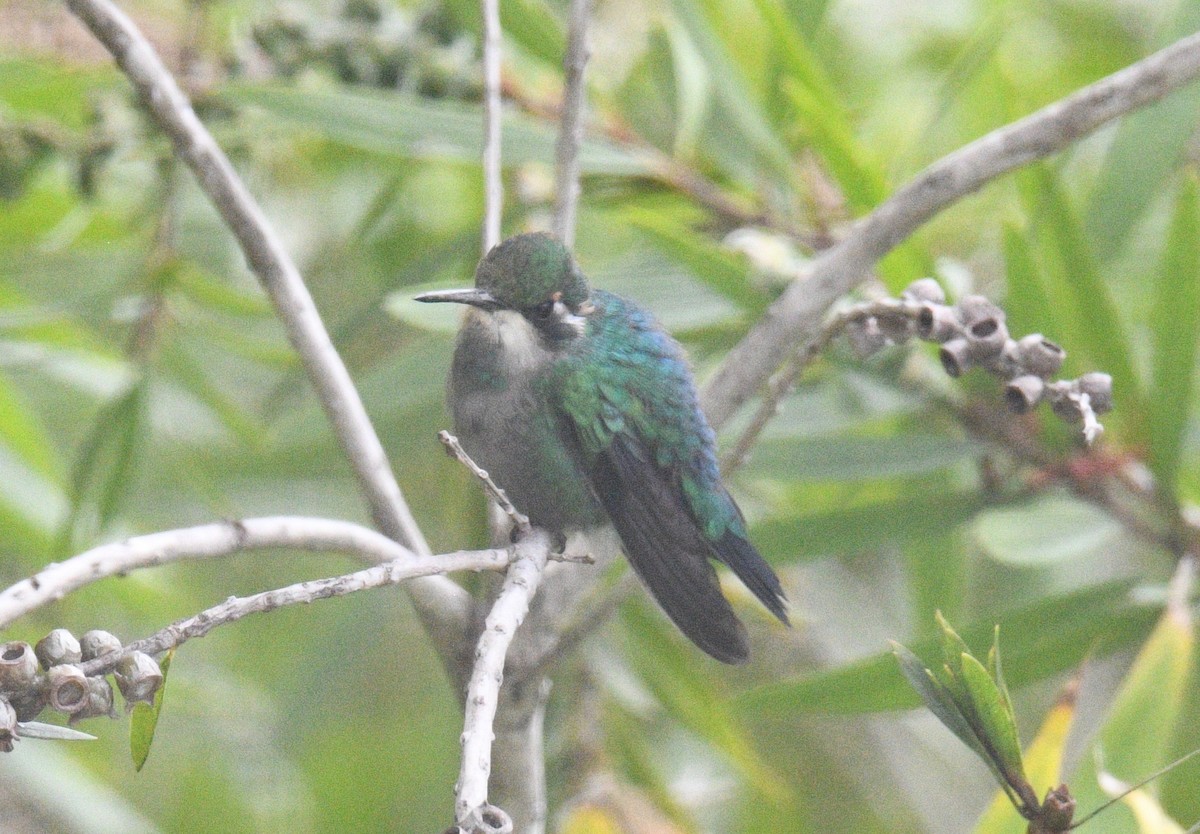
(33, 678)
(973, 333)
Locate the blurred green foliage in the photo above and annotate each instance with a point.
(145, 384)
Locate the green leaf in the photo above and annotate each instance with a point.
(710, 264)
(22, 433)
(1027, 305)
(994, 722)
(855, 458)
(1175, 333)
(105, 463)
(937, 698)
(1049, 529)
(405, 126)
(1043, 639)
(670, 671)
(144, 721)
(735, 94)
(1150, 145)
(1098, 332)
(910, 518)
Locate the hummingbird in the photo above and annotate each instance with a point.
(585, 412)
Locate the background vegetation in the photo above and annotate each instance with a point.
(145, 384)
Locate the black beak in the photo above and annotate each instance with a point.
(475, 297)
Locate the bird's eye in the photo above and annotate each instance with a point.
(544, 311)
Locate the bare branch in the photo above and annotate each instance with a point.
(233, 609)
(493, 187)
(442, 605)
(795, 317)
(456, 451)
(570, 132)
(483, 690)
(206, 541)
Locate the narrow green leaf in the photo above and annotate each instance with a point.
(735, 94)
(413, 128)
(669, 670)
(1175, 334)
(105, 460)
(711, 265)
(22, 433)
(995, 724)
(144, 721)
(1100, 336)
(848, 457)
(1150, 145)
(1046, 530)
(937, 698)
(1044, 638)
(912, 518)
(1027, 304)
(996, 670)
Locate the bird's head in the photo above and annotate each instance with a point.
(533, 275)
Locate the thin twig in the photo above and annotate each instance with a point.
(570, 132)
(455, 450)
(493, 186)
(443, 606)
(781, 384)
(483, 690)
(206, 541)
(795, 317)
(233, 609)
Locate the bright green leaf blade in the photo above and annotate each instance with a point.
(1103, 340)
(1042, 639)
(144, 721)
(711, 265)
(1149, 146)
(995, 725)
(409, 127)
(1027, 305)
(937, 698)
(668, 669)
(734, 94)
(846, 457)
(1175, 333)
(1043, 764)
(911, 518)
(1136, 738)
(1048, 529)
(22, 433)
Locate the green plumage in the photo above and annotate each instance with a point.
(584, 409)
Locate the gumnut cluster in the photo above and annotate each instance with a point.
(973, 333)
(54, 674)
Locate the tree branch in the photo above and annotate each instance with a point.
(795, 317)
(570, 132)
(471, 808)
(393, 572)
(493, 186)
(442, 605)
(206, 541)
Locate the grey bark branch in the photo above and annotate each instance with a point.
(493, 185)
(483, 690)
(795, 317)
(394, 572)
(206, 541)
(442, 605)
(570, 131)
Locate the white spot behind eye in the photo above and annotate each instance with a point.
(564, 315)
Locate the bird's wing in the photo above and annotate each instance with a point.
(649, 455)
(666, 549)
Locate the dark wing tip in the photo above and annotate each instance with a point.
(749, 566)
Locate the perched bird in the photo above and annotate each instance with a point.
(584, 411)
